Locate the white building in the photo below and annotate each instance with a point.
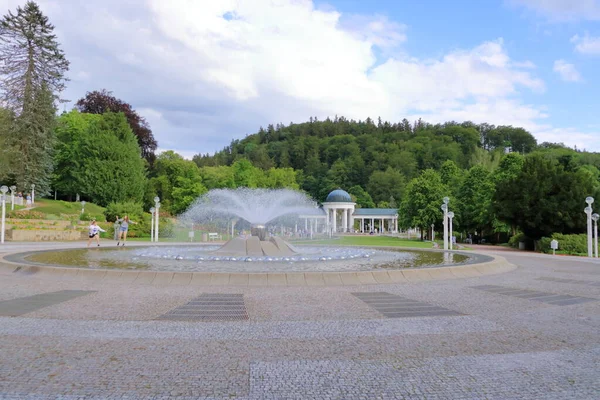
(339, 214)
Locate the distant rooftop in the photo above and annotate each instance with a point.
(375, 211)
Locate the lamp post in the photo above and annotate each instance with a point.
(32, 193)
(82, 206)
(595, 217)
(156, 206)
(152, 224)
(450, 216)
(588, 211)
(445, 210)
(432, 232)
(3, 189)
(13, 188)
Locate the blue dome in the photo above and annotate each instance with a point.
(338, 196)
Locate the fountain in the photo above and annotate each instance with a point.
(258, 207)
(256, 210)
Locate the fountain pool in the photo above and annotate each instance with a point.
(201, 258)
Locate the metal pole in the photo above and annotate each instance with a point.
(595, 218)
(589, 232)
(450, 235)
(445, 229)
(12, 199)
(3, 216)
(156, 227)
(152, 226)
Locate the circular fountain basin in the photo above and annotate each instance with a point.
(203, 259)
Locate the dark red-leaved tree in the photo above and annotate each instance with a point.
(99, 102)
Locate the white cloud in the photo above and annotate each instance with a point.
(586, 44)
(563, 10)
(205, 73)
(567, 71)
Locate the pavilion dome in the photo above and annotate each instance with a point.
(338, 196)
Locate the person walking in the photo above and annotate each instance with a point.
(125, 221)
(94, 232)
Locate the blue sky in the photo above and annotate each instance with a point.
(206, 72)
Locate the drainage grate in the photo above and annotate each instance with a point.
(544, 297)
(210, 307)
(575, 281)
(25, 305)
(393, 306)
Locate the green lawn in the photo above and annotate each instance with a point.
(58, 207)
(370, 241)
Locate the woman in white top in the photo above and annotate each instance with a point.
(94, 232)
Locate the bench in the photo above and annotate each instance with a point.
(214, 236)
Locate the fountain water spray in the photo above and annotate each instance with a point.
(258, 207)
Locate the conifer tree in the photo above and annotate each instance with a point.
(32, 68)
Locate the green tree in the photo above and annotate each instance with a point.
(544, 198)
(422, 200)
(98, 157)
(247, 175)
(32, 68)
(361, 197)
(385, 184)
(177, 181)
(8, 156)
(218, 177)
(475, 200)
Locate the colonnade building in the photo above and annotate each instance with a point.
(339, 214)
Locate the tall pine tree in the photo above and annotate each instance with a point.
(32, 68)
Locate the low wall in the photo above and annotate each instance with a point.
(45, 235)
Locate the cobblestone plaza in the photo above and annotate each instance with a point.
(531, 333)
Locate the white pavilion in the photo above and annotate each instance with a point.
(339, 214)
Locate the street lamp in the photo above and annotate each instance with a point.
(82, 206)
(3, 189)
(446, 200)
(450, 216)
(432, 232)
(13, 188)
(157, 206)
(588, 211)
(152, 224)
(595, 217)
(32, 193)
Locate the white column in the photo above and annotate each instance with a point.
(151, 226)
(344, 220)
(362, 224)
(351, 216)
(446, 229)
(334, 216)
(372, 227)
(381, 225)
(156, 225)
(3, 216)
(396, 224)
(305, 224)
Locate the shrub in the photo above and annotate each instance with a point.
(567, 244)
(515, 239)
(21, 214)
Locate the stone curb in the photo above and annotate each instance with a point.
(276, 279)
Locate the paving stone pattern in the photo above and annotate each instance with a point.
(502, 376)
(575, 281)
(394, 306)
(25, 305)
(549, 298)
(210, 307)
(418, 340)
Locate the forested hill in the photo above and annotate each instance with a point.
(379, 157)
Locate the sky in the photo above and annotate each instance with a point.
(206, 72)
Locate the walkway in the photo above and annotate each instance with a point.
(532, 333)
